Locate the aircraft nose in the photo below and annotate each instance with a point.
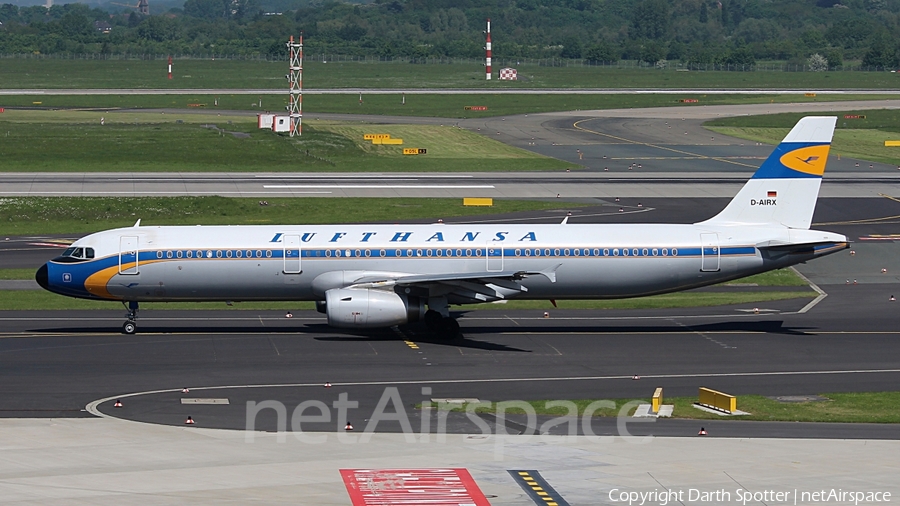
(42, 278)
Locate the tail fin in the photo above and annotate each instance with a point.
(784, 189)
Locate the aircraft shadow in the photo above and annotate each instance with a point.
(315, 330)
(765, 327)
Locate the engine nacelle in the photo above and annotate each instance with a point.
(370, 308)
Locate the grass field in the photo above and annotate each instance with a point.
(874, 407)
(441, 142)
(856, 138)
(431, 105)
(55, 73)
(76, 141)
(82, 215)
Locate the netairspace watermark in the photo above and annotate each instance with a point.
(743, 497)
(390, 408)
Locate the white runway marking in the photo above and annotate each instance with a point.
(92, 407)
(361, 176)
(242, 179)
(144, 192)
(387, 187)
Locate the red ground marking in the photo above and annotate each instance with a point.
(412, 487)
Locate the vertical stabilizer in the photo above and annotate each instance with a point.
(784, 189)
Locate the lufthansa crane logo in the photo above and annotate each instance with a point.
(808, 160)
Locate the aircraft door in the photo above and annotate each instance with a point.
(291, 245)
(709, 252)
(128, 255)
(494, 255)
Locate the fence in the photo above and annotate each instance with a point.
(310, 56)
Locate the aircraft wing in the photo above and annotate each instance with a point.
(484, 286)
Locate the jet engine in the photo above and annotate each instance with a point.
(370, 308)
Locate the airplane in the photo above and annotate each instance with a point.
(370, 276)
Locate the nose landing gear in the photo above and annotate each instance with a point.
(130, 326)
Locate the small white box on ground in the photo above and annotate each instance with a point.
(264, 120)
(281, 124)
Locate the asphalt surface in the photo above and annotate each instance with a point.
(56, 363)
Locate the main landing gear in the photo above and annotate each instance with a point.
(130, 326)
(444, 326)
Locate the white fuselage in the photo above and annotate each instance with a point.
(300, 262)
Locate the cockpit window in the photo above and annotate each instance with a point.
(75, 254)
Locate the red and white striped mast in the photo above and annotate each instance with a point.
(487, 50)
(295, 79)
(170, 66)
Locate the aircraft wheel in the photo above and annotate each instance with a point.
(432, 319)
(449, 328)
(129, 328)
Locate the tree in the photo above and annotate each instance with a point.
(571, 48)
(882, 52)
(649, 19)
(206, 9)
(835, 58)
(157, 29)
(601, 52)
(652, 52)
(817, 63)
(704, 13)
(351, 32)
(75, 24)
